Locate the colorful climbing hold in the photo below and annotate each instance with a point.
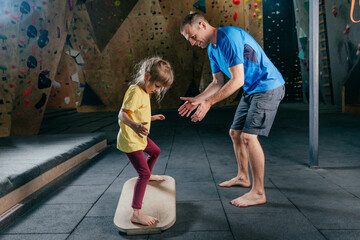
(27, 92)
(235, 16)
(334, 11)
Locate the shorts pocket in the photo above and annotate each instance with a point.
(266, 105)
(262, 116)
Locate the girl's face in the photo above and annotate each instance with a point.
(152, 86)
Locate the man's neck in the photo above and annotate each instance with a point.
(214, 36)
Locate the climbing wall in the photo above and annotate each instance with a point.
(281, 47)
(103, 33)
(67, 54)
(344, 47)
(81, 58)
(339, 48)
(32, 37)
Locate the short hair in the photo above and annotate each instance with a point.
(192, 18)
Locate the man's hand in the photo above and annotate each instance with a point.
(188, 106)
(140, 129)
(204, 107)
(157, 117)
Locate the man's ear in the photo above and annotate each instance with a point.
(202, 25)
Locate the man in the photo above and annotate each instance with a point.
(232, 51)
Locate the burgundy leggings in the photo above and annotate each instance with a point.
(143, 167)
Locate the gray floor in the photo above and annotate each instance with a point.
(303, 203)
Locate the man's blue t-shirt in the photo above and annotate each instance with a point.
(235, 46)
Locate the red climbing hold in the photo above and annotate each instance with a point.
(27, 92)
(235, 16)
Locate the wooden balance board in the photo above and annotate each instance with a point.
(159, 202)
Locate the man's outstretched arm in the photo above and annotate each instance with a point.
(236, 82)
(211, 89)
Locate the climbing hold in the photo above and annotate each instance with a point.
(27, 92)
(334, 11)
(347, 29)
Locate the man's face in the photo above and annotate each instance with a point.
(197, 34)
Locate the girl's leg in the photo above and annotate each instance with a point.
(154, 151)
(139, 162)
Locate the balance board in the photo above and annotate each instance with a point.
(159, 202)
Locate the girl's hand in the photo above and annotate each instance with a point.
(157, 117)
(140, 129)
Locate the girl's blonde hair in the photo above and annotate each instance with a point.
(159, 70)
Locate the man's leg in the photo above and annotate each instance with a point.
(242, 179)
(256, 195)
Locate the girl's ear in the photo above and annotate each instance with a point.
(147, 76)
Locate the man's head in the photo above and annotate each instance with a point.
(197, 30)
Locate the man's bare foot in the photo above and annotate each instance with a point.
(141, 218)
(156, 178)
(249, 199)
(236, 181)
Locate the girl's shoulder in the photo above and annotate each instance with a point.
(133, 88)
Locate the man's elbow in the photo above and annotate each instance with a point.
(238, 82)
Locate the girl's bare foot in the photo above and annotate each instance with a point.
(141, 218)
(249, 199)
(236, 181)
(156, 178)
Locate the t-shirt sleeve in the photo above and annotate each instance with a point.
(232, 47)
(131, 101)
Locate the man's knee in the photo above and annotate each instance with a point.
(247, 138)
(235, 135)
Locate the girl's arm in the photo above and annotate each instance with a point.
(139, 128)
(157, 117)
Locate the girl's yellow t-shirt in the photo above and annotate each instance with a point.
(137, 102)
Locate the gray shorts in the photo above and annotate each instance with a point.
(256, 112)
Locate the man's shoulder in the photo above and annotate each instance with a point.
(226, 34)
(230, 30)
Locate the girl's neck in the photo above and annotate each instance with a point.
(142, 86)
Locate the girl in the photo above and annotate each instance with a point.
(154, 76)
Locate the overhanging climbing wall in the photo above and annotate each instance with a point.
(32, 37)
